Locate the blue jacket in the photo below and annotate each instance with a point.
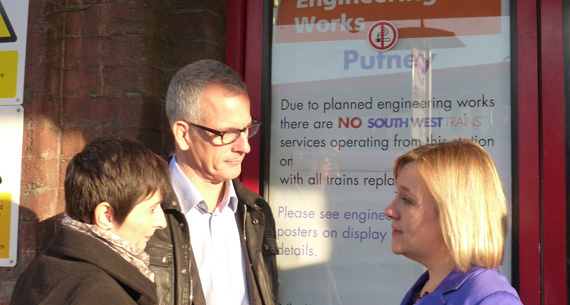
(477, 286)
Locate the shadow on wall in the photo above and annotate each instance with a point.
(28, 247)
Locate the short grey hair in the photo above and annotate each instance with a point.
(184, 96)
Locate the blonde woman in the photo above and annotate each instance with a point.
(450, 215)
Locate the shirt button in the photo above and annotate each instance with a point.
(164, 259)
(184, 271)
(255, 221)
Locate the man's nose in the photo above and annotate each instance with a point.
(242, 144)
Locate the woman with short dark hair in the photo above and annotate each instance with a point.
(113, 191)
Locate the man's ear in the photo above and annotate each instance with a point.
(104, 217)
(180, 130)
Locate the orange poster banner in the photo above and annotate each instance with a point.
(327, 20)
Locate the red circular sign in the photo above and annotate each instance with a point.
(382, 35)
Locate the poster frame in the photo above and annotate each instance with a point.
(525, 132)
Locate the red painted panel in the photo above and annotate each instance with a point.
(244, 33)
(252, 76)
(553, 156)
(529, 168)
(235, 35)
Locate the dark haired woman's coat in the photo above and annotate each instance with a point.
(78, 269)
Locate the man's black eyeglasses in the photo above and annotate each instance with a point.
(230, 136)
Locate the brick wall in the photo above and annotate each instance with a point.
(97, 68)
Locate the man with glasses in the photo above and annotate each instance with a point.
(220, 246)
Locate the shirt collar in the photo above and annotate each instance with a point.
(189, 196)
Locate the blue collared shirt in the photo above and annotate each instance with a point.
(215, 241)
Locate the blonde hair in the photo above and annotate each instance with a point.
(472, 207)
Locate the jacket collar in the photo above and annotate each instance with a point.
(245, 196)
(454, 280)
(171, 202)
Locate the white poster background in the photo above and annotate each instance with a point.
(11, 137)
(339, 119)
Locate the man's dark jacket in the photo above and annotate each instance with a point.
(172, 259)
(78, 269)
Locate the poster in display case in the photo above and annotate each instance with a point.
(354, 84)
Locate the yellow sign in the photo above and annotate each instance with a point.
(7, 33)
(8, 73)
(5, 213)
